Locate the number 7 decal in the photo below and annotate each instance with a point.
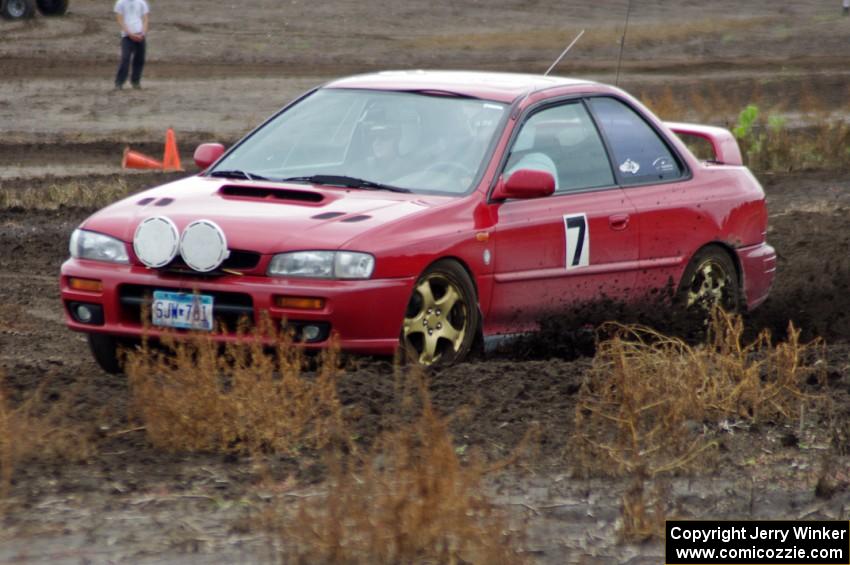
(577, 237)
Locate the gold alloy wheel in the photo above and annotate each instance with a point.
(436, 318)
(708, 286)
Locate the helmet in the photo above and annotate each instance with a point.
(381, 134)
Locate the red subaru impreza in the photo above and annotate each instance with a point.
(428, 209)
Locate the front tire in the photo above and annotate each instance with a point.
(442, 318)
(17, 9)
(104, 349)
(52, 7)
(710, 279)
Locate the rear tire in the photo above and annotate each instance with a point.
(104, 348)
(52, 7)
(17, 9)
(710, 279)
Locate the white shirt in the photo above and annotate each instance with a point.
(133, 12)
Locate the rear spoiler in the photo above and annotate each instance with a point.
(726, 150)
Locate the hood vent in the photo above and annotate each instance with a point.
(328, 215)
(265, 193)
(353, 219)
(164, 201)
(145, 201)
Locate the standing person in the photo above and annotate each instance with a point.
(132, 16)
(845, 4)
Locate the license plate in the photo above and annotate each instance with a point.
(182, 310)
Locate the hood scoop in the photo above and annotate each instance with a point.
(269, 193)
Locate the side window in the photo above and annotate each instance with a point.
(639, 153)
(562, 140)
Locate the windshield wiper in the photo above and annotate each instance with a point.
(237, 174)
(345, 181)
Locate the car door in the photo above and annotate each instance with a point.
(655, 179)
(576, 245)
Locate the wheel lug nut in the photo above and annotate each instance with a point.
(438, 312)
(425, 323)
(439, 326)
(429, 310)
(430, 332)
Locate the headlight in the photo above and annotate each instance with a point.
(97, 247)
(352, 265)
(323, 265)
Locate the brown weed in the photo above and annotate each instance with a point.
(196, 395)
(409, 500)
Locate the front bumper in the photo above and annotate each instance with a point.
(758, 270)
(364, 315)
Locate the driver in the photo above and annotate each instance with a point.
(383, 140)
(382, 159)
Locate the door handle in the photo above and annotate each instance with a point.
(619, 221)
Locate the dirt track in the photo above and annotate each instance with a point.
(217, 69)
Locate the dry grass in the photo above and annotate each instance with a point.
(72, 194)
(36, 429)
(649, 400)
(410, 500)
(768, 143)
(644, 513)
(596, 37)
(721, 103)
(195, 395)
(780, 149)
(704, 103)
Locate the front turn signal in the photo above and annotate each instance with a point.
(300, 302)
(90, 285)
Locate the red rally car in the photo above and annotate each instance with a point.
(428, 209)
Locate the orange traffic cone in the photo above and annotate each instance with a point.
(171, 157)
(135, 160)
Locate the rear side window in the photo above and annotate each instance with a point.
(639, 154)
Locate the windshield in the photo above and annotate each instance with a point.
(373, 139)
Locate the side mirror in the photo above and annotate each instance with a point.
(525, 183)
(208, 153)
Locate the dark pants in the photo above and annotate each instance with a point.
(136, 50)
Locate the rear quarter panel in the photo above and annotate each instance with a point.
(717, 205)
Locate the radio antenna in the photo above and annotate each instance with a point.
(623, 43)
(561, 56)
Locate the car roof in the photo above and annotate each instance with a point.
(500, 87)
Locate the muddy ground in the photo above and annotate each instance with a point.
(217, 69)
